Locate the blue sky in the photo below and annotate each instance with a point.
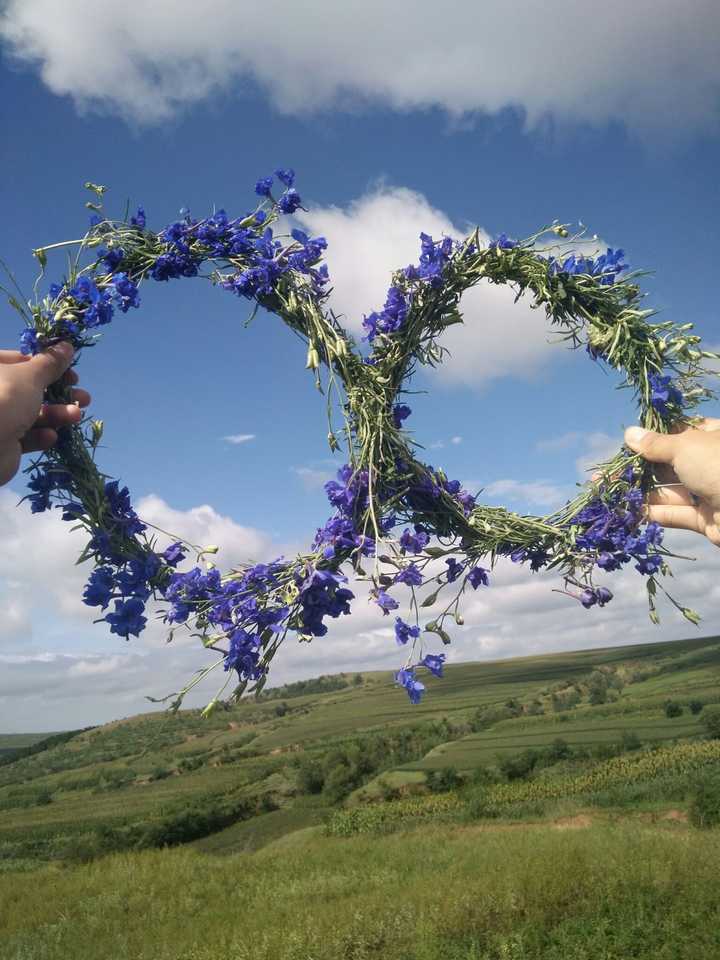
(175, 378)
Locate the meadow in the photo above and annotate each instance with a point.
(559, 806)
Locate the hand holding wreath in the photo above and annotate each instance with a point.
(398, 523)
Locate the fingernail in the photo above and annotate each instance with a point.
(636, 434)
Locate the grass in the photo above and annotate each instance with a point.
(469, 875)
(441, 893)
(254, 834)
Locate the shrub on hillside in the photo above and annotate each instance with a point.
(696, 706)
(441, 781)
(705, 806)
(711, 722)
(630, 740)
(673, 709)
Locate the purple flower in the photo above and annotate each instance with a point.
(386, 602)
(174, 554)
(404, 632)
(29, 341)
(286, 176)
(99, 587)
(454, 569)
(406, 678)
(434, 662)
(477, 576)
(411, 575)
(588, 598)
(264, 186)
(289, 202)
(414, 542)
(139, 219)
(401, 411)
(664, 393)
(126, 292)
(128, 619)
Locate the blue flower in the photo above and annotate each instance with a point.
(407, 679)
(99, 587)
(401, 411)
(139, 219)
(503, 242)
(126, 292)
(404, 632)
(29, 341)
(110, 258)
(286, 176)
(478, 576)
(128, 619)
(434, 663)
(290, 201)
(386, 602)
(411, 576)
(454, 569)
(174, 554)
(414, 542)
(664, 393)
(264, 186)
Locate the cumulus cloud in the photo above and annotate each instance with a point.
(60, 671)
(379, 233)
(50, 650)
(651, 64)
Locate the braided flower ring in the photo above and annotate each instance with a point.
(398, 523)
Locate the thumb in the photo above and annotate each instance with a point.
(656, 447)
(51, 364)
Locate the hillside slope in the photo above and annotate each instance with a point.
(162, 778)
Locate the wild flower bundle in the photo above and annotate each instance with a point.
(397, 522)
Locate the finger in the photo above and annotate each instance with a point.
(13, 356)
(656, 447)
(80, 396)
(709, 424)
(39, 438)
(678, 517)
(51, 364)
(70, 376)
(9, 462)
(58, 415)
(671, 496)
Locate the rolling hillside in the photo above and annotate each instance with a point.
(250, 770)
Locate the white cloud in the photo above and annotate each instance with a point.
(544, 493)
(58, 670)
(312, 478)
(563, 442)
(380, 232)
(456, 440)
(599, 447)
(651, 64)
(595, 448)
(238, 438)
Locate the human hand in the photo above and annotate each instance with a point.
(688, 493)
(26, 423)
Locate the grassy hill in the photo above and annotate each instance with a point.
(153, 767)
(318, 777)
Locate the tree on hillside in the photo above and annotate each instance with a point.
(711, 722)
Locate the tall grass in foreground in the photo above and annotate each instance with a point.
(438, 893)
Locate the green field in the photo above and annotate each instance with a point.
(149, 767)
(283, 850)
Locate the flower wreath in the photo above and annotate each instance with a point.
(412, 526)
